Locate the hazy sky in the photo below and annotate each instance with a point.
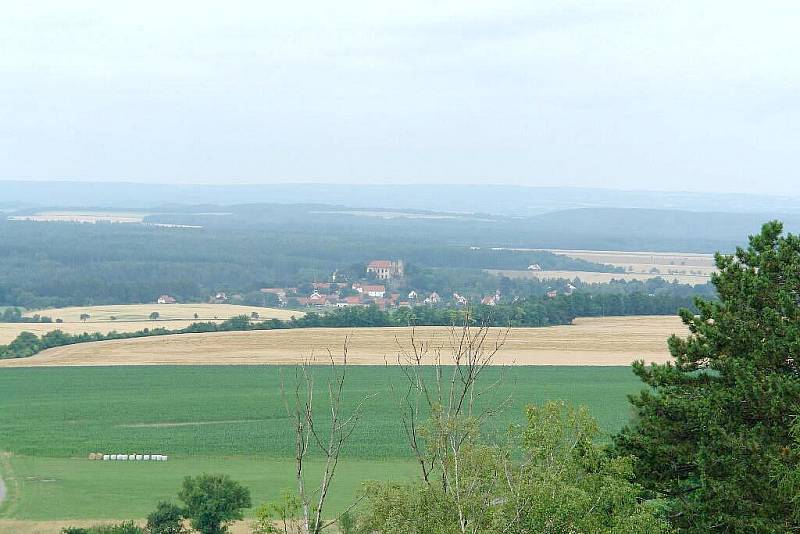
(678, 95)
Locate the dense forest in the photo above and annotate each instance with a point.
(60, 264)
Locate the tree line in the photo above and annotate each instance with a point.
(526, 312)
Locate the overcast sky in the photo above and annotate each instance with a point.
(674, 95)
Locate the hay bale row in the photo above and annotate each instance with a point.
(128, 457)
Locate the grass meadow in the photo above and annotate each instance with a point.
(227, 419)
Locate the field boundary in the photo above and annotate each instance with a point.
(9, 486)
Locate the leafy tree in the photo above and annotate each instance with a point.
(166, 519)
(154, 316)
(85, 317)
(213, 501)
(550, 477)
(718, 432)
(285, 512)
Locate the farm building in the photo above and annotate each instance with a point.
(166, 299)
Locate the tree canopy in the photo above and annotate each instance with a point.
(717, 433)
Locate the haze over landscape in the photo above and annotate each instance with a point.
(434, 267)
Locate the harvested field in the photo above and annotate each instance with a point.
(141, 312)
(132, 317)
(600, 278)
(686, 267)
(590, 341)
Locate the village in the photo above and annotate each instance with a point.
(382, 285)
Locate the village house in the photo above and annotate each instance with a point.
(166, 299)
(552, 294)
(374, 291)
(386, 269)
(351, 301)
(534, 267)
(433, 298)
(460, 299)
(280, 293)
(489, 301)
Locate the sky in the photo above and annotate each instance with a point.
(660, 95)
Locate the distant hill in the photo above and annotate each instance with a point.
(490, 199)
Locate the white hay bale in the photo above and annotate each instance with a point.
(124, 457)
(146, 457)
(164, 458)
(156, 457)
(139, 457)
(106, 457)
(113, 457)
(92, 456)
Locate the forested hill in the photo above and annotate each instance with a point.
(242, 248)
(588, 228)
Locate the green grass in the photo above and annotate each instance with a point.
(52, 418)
(61, 488)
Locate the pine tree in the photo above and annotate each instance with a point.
(717, 433)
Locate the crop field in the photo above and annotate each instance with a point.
(141, 312)
(589, 341)
(132, 317)
(227, 419)
(686, 267)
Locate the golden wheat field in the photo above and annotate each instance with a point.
(589, 341)
(132, 317)
(686, 267)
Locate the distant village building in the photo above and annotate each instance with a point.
(278, 292)
(386, 269)
(552, 294)
(534, 267)
(460, 299)
(433, 298)
(374, 291)
(412, 295)
(166, 299)
(351, 301)
(221, 296)
(489, 301)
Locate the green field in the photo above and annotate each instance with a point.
(219, 419)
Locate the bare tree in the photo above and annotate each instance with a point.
(309, 436)
(440, 411)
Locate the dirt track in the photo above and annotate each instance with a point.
(591, 341)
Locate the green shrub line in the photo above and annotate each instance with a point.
(528, 312)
